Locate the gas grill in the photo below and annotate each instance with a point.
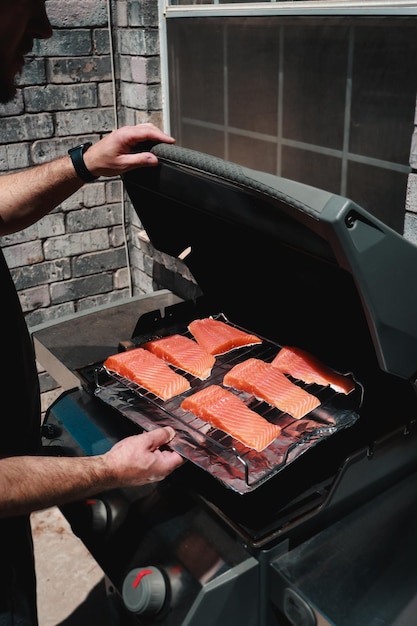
(317, 527)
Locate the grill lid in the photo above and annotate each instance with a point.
(342, 278)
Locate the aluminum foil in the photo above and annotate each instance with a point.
(239, 468)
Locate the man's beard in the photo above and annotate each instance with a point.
(7, 92)
(8, 86)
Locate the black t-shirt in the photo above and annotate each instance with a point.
(19, 384)
(20, 416)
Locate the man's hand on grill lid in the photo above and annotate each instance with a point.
(142, 458)
(30, 194)
(120, 151)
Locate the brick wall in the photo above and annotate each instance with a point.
(137, 62)
(410, 222)
(75, 257)
(77, 86)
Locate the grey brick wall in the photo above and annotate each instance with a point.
(410, 222)
(77, 86)
(137, 62)
(66, 96)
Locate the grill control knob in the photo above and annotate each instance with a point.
(99, 516)
(144, 590)
(106, 512)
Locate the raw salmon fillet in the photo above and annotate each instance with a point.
(184, 353)
(269, 384)
(303, 366)
(217, 337)
(149, 371)
(224, 410)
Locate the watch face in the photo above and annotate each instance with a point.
(83, 147)
(76, 155)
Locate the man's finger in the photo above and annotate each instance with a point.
(162, 436)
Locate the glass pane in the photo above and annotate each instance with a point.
(383, 91)
(194, 137)
(319, 170)
(253, 65)
(314, 83)
(253, 153)
(196, 54)
(380, 192)
(329, 101)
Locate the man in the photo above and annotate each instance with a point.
(29, 482)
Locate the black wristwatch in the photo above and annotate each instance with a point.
(77, 159)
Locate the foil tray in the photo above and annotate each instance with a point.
(237, 467)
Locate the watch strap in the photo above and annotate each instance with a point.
(77, 159)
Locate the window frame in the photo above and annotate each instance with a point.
(297, 7)
(168, 11)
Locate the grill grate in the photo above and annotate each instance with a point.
(238, 467)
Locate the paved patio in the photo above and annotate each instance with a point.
(70, 583)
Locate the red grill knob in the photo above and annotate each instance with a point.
(144, 590)
(99, 517)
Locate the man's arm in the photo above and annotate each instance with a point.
(28, 195)
(31, 483)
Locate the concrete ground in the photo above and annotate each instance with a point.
(71, 589)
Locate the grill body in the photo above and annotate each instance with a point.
(287, 551)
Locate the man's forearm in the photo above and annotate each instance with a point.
(32, 483)
(29, 195)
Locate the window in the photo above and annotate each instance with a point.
(324, 98)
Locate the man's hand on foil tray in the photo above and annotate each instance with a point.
(30, 483)
(143, 458)
(30, 194)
